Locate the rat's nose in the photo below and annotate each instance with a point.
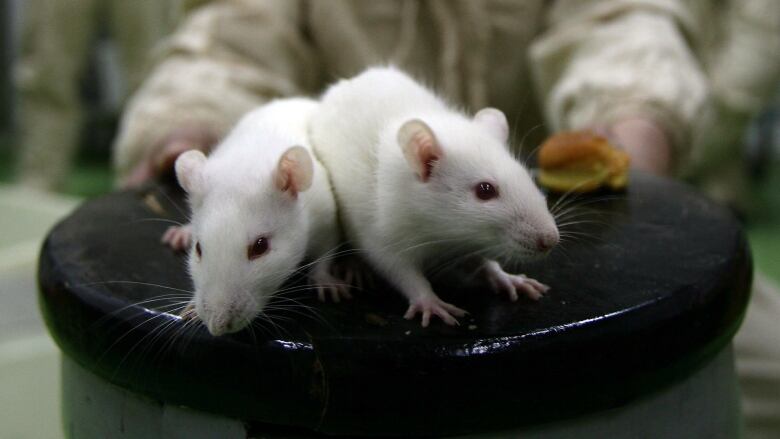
(546, 242)
(224, 324)
(216, 327)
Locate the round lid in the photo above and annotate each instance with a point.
(653, 282)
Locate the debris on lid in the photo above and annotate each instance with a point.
(153, 204)
(376, 319)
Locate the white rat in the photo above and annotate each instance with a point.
(260, 204)
(418, 183)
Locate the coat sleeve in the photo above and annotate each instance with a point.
(600, 61)
(225, 58)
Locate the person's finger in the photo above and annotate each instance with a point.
(165, 160)
(140, 174)
(646, 142)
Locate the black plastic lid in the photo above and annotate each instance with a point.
(654, 285)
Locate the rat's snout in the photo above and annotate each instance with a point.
(226, 322)
(547, 240)
(224, 318)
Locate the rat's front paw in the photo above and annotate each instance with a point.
(178, 237)
(512, 283)
(324, 282)
(432, 305)
(188, 313)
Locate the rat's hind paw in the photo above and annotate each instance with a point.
(512, 283)
(428, 306)
(178, 237)
(325, 282)
(355, 273)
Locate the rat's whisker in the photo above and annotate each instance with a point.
(161, 220)
(134, 328)
(183, 212)
(128, 282)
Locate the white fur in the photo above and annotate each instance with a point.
(405, 224)
(236, 199)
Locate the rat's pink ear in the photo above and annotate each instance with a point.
(189, 171)
(494, 121)
(295, 171)
(420, 147)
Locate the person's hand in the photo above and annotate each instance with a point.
(160, 160)
(645, 142)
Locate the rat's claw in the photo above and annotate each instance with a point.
(334, 293)
(530, 287)
(446, 317)
(426, 318)
(454, 309)
(325, 282)
(352, 273)
(504, 283)
(538, 285)
(344, 291)
(339, 291)
(512, 283)
(434, 306)
(348, 276)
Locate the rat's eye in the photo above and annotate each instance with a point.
(485, 191)
(257, 248)
(197, 249)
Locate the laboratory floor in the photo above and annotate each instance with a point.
(29, 362)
